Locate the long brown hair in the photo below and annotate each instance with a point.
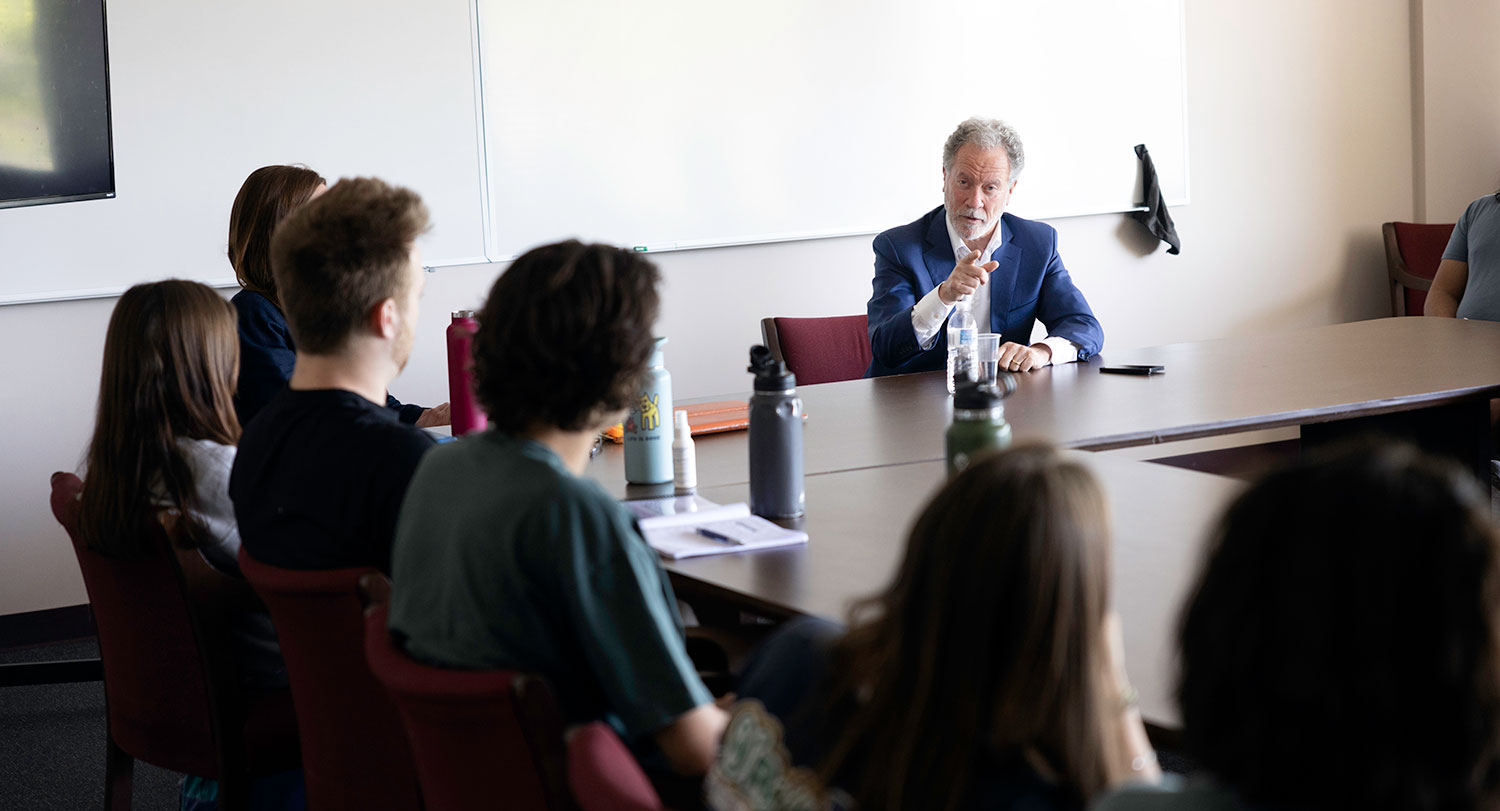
(990, 639)
(171, 356)
(266, 197)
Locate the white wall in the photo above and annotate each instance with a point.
(1300, 142)
(1459, 77)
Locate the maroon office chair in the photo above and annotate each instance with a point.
(603, 775)
(480, 738)
(820, 350)
(172, 692)
(1413, 252)
(354, 753)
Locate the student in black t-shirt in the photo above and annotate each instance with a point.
(321, 471)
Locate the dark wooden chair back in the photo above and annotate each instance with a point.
(171, 687)
(354, 752)
(820, 350)
(478, 736)
(1413, 252)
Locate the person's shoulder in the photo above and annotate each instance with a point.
(529, 475)
(252, 303)
(488, 456)
(1025, 231)
(1486, 206)
(584, 497)
(408, 439)
(912, 232)
(207, 451)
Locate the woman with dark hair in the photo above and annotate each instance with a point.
(507, 556)
(164, 438)
(988, 674)
(267, 354)
(1342, 646)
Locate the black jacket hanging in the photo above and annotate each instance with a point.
(1155, 217)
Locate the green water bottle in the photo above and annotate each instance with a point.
(979, 424)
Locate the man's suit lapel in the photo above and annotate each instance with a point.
(937, 253)
(1004, 278)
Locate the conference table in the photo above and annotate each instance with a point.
(873, 453)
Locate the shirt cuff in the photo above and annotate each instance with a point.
(927, 318)
(1063, 350)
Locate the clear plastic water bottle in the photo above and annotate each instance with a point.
(963, 343)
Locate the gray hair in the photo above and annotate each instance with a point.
(986, 133)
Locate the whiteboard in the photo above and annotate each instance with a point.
(205, 92)
(683, 123)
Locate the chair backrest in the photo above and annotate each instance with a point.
(354, 753)
(481, 738)
(820, 350)
(1413, 252)
(604, 775)
(159, 683)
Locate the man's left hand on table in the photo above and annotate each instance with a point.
(1016, 357)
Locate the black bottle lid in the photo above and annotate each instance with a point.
(969, 395)
(770, 374)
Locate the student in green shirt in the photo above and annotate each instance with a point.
(506, 557)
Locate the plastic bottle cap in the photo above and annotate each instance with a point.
(971, 396)
(770, 374)
(680, 422)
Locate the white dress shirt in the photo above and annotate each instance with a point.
(928, 315)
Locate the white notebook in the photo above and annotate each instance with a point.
(692, 526)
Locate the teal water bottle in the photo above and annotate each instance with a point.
(648, 427)
(979, 425)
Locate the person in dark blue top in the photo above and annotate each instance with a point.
(267, 353)
(988, 674)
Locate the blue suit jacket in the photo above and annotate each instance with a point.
(1030, 283)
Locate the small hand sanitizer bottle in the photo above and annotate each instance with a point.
(684, 455)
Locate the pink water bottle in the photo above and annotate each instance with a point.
(468, 417)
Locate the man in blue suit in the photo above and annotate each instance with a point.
(1008, 267)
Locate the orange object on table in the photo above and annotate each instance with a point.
(703, 418)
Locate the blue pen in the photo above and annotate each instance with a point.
(719, 536)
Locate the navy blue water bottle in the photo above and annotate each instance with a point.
(775, 439)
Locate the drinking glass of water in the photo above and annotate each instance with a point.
(988, 356)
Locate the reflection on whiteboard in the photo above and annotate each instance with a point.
(683, 123)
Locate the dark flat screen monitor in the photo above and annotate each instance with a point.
(55, 141)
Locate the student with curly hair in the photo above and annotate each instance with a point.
(507, 557)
